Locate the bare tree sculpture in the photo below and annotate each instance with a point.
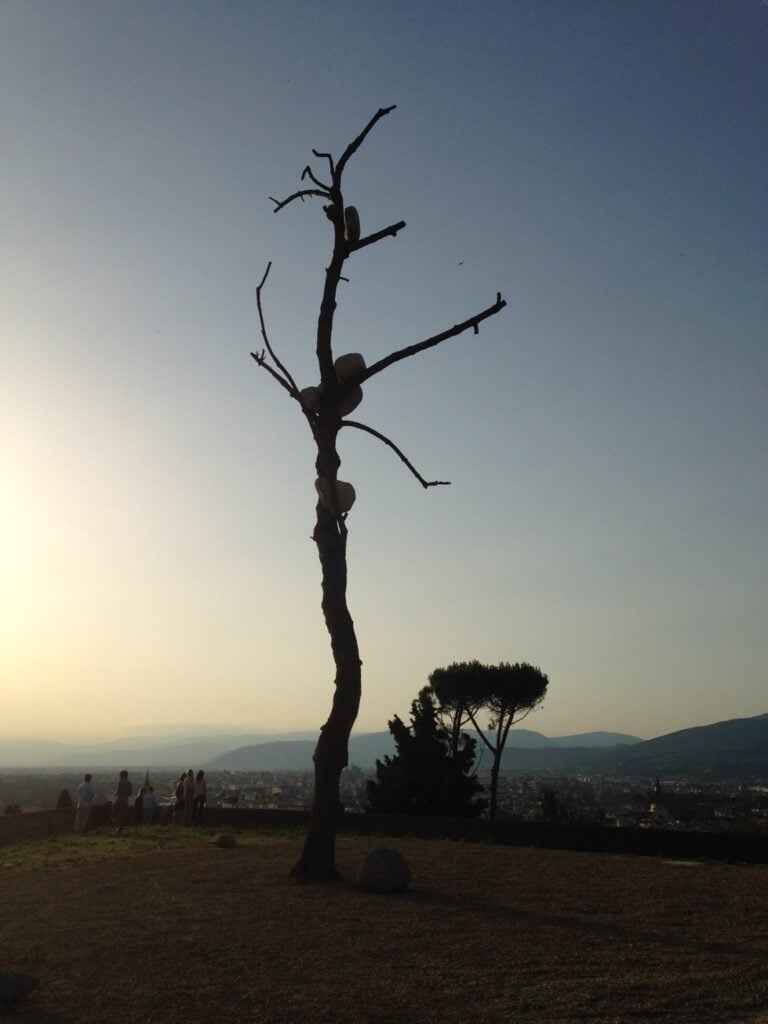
(325, 409)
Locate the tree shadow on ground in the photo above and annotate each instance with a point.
(30, 1015)
(489, 908)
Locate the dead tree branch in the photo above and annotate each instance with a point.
(307, 173)
(356, 143)
(285, 372)
(324, 191)
(261, 360)
(369, 430)
(325, 156)
(280, 203)
(376, 237)
(412, 350)
(283, 377)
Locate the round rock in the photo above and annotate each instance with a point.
(226, 839)
(385, 870)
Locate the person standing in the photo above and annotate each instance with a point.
(189, 796)
(85, 795)
(178, 798)
(122, 795)
(149, 805)
(198, 799)
(138, 808)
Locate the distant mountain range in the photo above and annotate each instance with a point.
(138, 752)
(737, 748)
(365, 750)
(251, 752)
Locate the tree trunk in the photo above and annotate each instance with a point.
(317, 861)
(494, 785)
(502, 731)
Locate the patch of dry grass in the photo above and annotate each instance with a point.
(188, 932)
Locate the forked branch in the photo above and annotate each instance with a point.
(480, 732)
(261, 360)
(307, 173)
(331, 191)
(286, 373)
(369, 430)
(325, 156)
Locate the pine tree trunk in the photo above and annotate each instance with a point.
(494, 786)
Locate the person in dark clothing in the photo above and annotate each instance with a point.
(198, 799)
(120, 806)
(178, 800)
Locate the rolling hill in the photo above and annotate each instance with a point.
(737, 748)
(136, 752)
(365, 750)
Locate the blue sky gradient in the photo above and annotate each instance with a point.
(604, 166)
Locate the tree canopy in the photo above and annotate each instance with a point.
(508, 692)
(426, 776)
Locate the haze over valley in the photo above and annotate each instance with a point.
(737, 747)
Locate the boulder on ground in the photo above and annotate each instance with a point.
(226, 839)
(385, 870)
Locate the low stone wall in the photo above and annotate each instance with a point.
(649, 842)
(30, 825)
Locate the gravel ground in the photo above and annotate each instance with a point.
(484, 935)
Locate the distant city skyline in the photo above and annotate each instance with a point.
(603, 166)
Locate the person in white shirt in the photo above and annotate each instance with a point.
(85, 795)
(198, 799)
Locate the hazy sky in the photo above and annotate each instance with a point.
(601, 164)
